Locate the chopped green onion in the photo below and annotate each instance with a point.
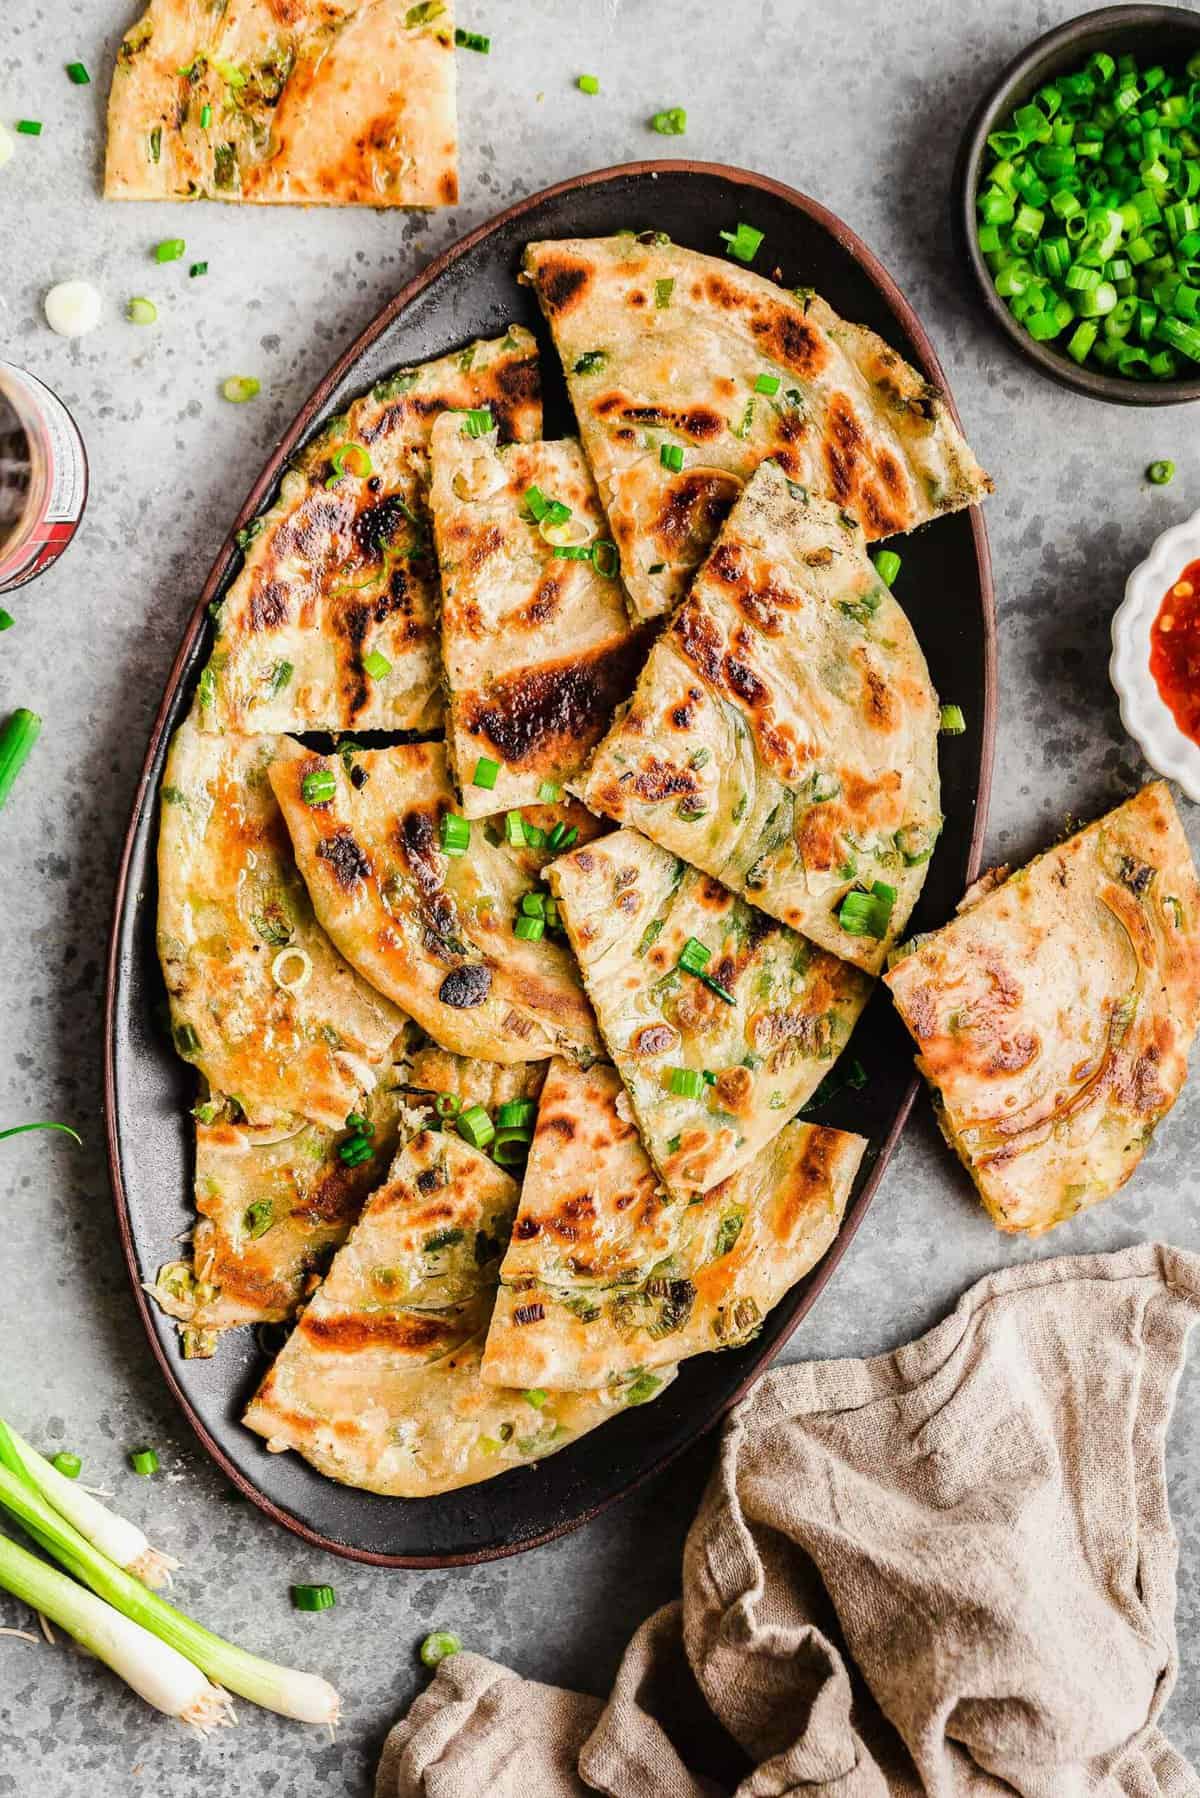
(169, 250)
(742, 244)
(318, 786)
(588, 84)
(670, 123)
(486, 772)
(17, 738)
(516, 1114)
(687, 1083)
(476, 1127)
(535, 1397)
(69, 1465)
(144, 1461)
(313, 1598)
(549, 793)
(662, 293)
(514, 830)
(533, 904)
(572, 552)
(141, 311)
(439, 1647)
(154, 144)
(510, 1148)
(694, 957)
(354, 455)
(952, 722)
(590, 362)
(22, 1129)
(29, 127)
(867, 914)
(530, 930)
(1159, 473)
(477, 421)
(6, 620)
(714, 986)
(562, 837)
(767, 384)
(472, 40)
(240, 388)
(198, 268)
(671, 456)
(887, 566)
(205, 117)
(455, 834)
(78, 75)
(605, 559)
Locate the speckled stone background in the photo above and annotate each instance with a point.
(860, 104)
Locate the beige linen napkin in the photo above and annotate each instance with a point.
(949, 1570)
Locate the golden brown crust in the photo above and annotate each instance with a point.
(1054, 1015)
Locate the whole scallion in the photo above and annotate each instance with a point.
(121, 1541)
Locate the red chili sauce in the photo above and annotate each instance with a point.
(1175, 650)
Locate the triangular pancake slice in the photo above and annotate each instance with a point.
(379, 1384)
(275, 1203)
(331, 622)
(261, 1001)
(720, 1021)
(313, 102)
(605, 1274)
(687, 371)
(537, 645)
(783, 734)
(434, 931)
(1054, 1015)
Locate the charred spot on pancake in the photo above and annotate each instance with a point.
(312, 528)
(346, 859)
(656, 780)
(635, 297)
(561, 283)
(418, 844)
(876, 516)
(269, 607)
(429, 1179)
(526, 1228)
(375, 526)
(725, 564)
(700, 423)
(549, 714)
(699, 639)
(722, 293)
(407, 1330)
(734, 1087)
(742, 680)
(692, 510)
(517, 388)
(466, 986)
(448, 187)
(787, 337)
(880, 704)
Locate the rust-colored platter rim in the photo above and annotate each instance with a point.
(295, 433)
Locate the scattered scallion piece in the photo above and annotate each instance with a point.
(29, 127)
(694, 957)
(671, 122)
(376, 665)
(455, 834)
(69, 1465)
(671, 456)
(588, 84)
(205, 117)
(549, 793)
(514, 830)
(511, 1147)
(486, 772)
(477, 421)
(1160, 473)
(439, 1647)
(530, 930)
(687, 1083)
(887, 565)
(662, 292)
(472, 40)
(17, 738)
(240, 388)
(516, 1114)
(169, 250)
(768, 384)
(867, 913)
(198, 268)
(952, 723)
(144, 1461)
(352, 458)
(536, 1397)
(20, 1129)
(141, 311)
(742, 244)
(77, 74)
(313, 1598)
(6, 620)
(475, 1126)
(318, 786)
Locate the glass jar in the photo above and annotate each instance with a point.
(43, 477)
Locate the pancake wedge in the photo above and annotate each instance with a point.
(687, 371)
(605, 1274)
(379, 1384)
(331, 622)
(261, 1001)
(783, 733)
(309, 102)
(715, 1060)
(537, 646)
(434, 927)
(1054, 1015)
(274, 1203)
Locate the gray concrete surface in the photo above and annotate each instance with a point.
(860, 104)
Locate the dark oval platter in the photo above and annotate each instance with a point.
(472, 291)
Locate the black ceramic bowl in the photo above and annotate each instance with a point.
(1166, 34)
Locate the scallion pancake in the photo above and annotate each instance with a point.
(536, 639)
(715, 1060)
(434, 931)
(783, 733)
(379, 1384)
(687, 371)
(1054, 1015)
(607, 1274)
(261, 1001)
(331, 622)
(312, 102)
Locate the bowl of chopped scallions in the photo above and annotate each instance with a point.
(1078, 201)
